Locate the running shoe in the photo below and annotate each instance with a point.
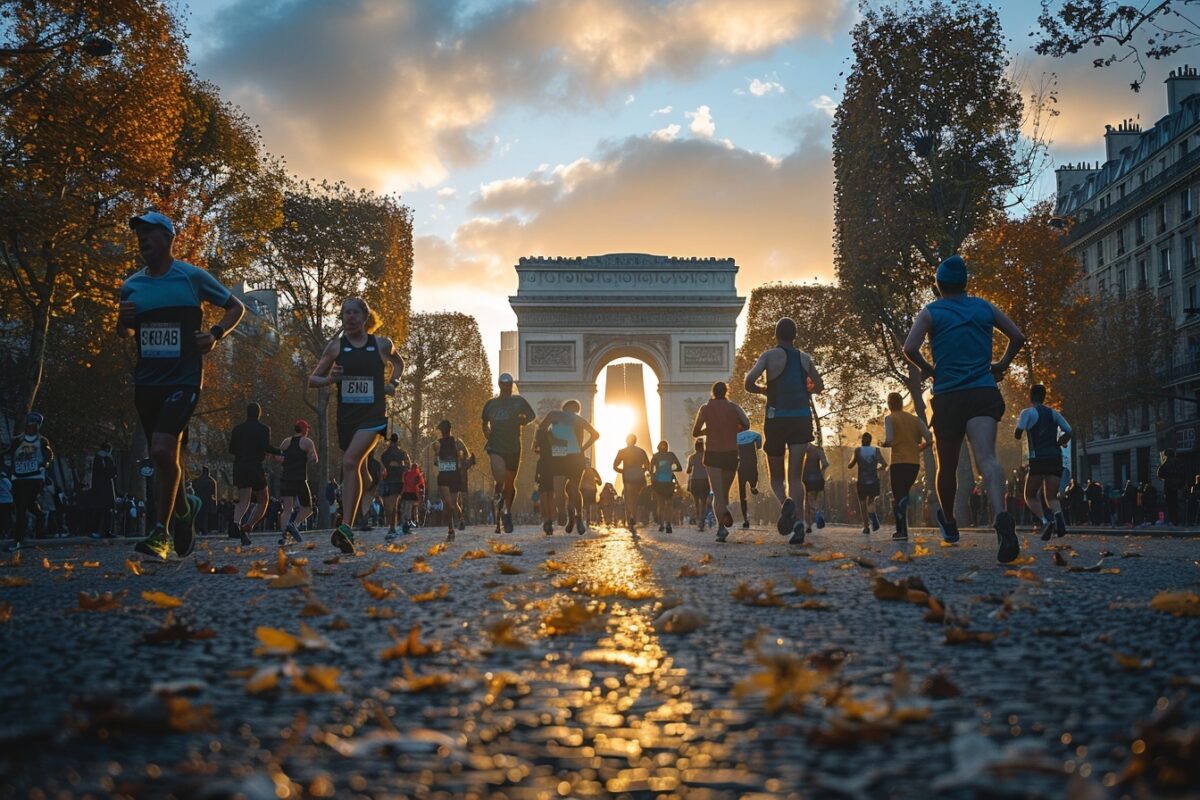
(722, 533)
(900, 535)
(787, 517)
(294, 532)
(1048, 528)
(949, 529)
(570, 526)
(797, 536)
(662, 528)
(866, 531)
(406, 529)
(390, 536)
(244, 536)
(727, 519)
(820, 520)
(234, 531)
(669, 529)
(508, 523)
(746, 524)
(548, 527)
(581, 528)
(158, 543)
(874, 521)
(95, 535)
(342, 538)
(462, 523)
(185, 526)
(1060, 524)
(1006, 536)
(753, 490)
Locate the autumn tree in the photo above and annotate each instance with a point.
(334, 242)
(80, 139)
(1022, 266)
(446, 376)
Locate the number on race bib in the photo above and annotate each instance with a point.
(358, 390)
(159, 340)
(447, 465)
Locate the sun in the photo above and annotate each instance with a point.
(613, 423)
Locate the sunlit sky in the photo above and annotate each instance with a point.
(569, 127)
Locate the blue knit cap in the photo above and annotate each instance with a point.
(953, 270)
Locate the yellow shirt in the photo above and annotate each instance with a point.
(906, 436)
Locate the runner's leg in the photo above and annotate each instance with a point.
(354, 474)
(164, 452)
(981, 433)
(778, 479)
(947, 449)
(1033, 483)
(795, 474)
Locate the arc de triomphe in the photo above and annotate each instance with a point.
(575, 315)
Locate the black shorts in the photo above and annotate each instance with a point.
(814, 484)
(780, 432)
(748, 472)
(868, 490)
(570, 467)
(390, 488)
(903, 477)
(165, 409)
(1050, 467)
(409, 497)
(346, 431)
(297, 489)
(725, 460)
(249, 476)
(952, 410)
(512, 461)
(451, 481)
(664, 488)
(698, 488)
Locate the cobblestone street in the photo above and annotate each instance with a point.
(527, 666)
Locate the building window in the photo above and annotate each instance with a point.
(1143, 273)
(1162, 217)
(1121, 192)
(1142, 178)
(1185, 204)
(1189, 252)
(1168, 306)
(1100, 253)
(1120, 241)
(1191, 298)
(1121, 284)
(1143, 222)
(1183, 149)
(1100, 287)
(1164, 265)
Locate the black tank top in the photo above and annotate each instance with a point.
(360, 393)
(447, 458)
(295, 461)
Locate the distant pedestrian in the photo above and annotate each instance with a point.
(1174, 478)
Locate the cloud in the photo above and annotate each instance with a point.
(447, 193)
(760, 88)
(400, 90)
(702, 122)
(826, 105)
(664, 110)
(666, 134)
(629, 99)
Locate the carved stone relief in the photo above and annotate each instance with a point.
(703, 356)
(550, 356)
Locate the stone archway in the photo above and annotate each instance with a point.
(678, 315)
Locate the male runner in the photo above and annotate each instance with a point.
(792, 379)
(749, 443)
(663, 466)
(698, 485)
(719, 421)
(815, 464)
(589, 488)
(503, 418)
(204, 487)
(297, 452)
(449, 454)
(103, 493)
(161, 306)
(868, 459)
(395, 463)
(1048, 434)
(570, 437)
(632, 463)
(543, 478)
(28, 456)
(966, 400)
(908, 437)
(250, 443)
(412, 498)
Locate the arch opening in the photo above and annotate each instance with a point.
(627, 401)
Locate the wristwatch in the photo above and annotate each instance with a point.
(395, 382)
(217, 332)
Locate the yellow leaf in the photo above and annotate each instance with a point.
(161, 599)
(375, 590)
(275, 642)
(315, 679)
(806, 587)
(434, 594)
(409, 647)
(554, 566)
(10, 582)
(5, 612)
(690, 572)
(1131, 663)
(438, 549)
(419, 565)
(920, 552)
(1177, 603)
(95, 601)
(474, 555)
(900, 556)
(314, 608)
(504, 548)
(834, 556)
(507, 568)
(263, 680)
(293, 578)
(706, 559)
(1023, 574)
(503, 633)
(762, 596)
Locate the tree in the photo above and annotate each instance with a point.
(79, 142)
(446, 376)
(1022, 266)
(1155, 30)
(926, 146)
(334, 242)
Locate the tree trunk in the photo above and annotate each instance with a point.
(322, 444)
(38, 334)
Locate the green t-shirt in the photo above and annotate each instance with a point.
(506, 416)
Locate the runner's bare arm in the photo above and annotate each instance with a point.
(698, 425)
(1016, 340)
(326, 372)
(853, 459)
(752, 376)
(234, 310)
(926, 436)
(308, 445)
(392, 357)
(921, 327)
(818, 382)
(126, 318)
(888, 433)
(279, 458)
(592, 436)
(882, 461)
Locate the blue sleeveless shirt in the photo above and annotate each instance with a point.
(961, 341)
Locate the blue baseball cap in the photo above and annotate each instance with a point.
(153, 218)
(953, 270)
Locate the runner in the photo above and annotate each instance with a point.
(503, 418)
(298, 451)
(908, 437)
(632, 463)
(355, 361)
(249, 443)
(464, 481)
(698, 486)
(608, 502)
(161, 305)
(28, 457)
(815, 464)
(1048, 434)
(449, 454)
(570, 437)
(966, 400)
(792, 379)
(395, 464)
(663, 466)
(749, 443)
(868, 459)
(412, 498)
(589, 487)
(544, 479)
(719, 421)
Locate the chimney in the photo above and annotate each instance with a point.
(1182, 83)
(1069, 176)
(1120, 138)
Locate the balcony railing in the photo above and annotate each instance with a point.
(1135, 198)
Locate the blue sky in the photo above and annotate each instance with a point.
(568, 127)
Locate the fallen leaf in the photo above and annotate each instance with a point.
(507, 568)
(1060, 560)
(504, 548)
(820, 557)
(940, 687)
(680, 620)
(434, 594)
(409, 647)
(554, 566)
(706, 559)
(1023, 574)
(1131, 663)
(1178, 603)
(805, 587)
(887, 590)
(5, 612)
(786, 681)
(91, 564)
(207, 568)
(15, 561)
(473, 555)
(95, 601)
(316, 679)
(263, 680)
(955, 635)
(813, 604)
(572, 617)
(294, 578)
(161, 599)
(385, 612)
(313, 608)
(281, 561)
(419, 565)
(1023, 561)
(133, 567)
(437, 549)
(920, 552)
(761, 596)
(172, 631)
(371, 570)
(690, 572)
(396, 548)
(901, 557)
(376, 591)
(10, 582)
(503, 633)
(1098, 566)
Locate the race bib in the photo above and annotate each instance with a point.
(559, 450)
(358, 390)
(447, 465)
(26, 461)
(159, 339)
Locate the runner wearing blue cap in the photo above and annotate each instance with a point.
(503, 418)
(966, 400)
(161, 306)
